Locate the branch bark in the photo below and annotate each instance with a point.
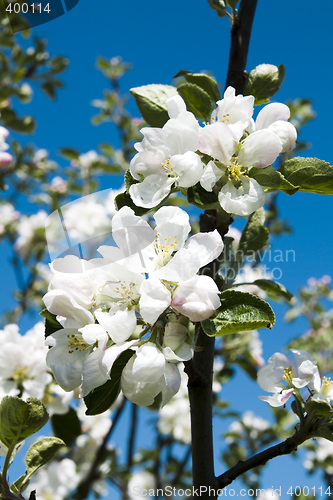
(200, 368)
(284, 448)
(240, 40)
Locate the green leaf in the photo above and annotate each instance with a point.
(66, 426)
(100, 399)
(311, 174)
(318, 408)
(129, 180)
(274, 289)
(20, 419)
(51, 323)
(41, 452)
(264, 81)
(239, 312)
(271, 180)
(124, 200)
(198, 196)
(151, 101)
(205, 82)
(255, 234)
(197, 100)
(24, 125)
(69, 153)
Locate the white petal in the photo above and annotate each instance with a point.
(286, 132)
(94, 374)
(181, 134)
(271, 113)
(175, 105)
(94, 333)
(119, 326)
(172, 222)
(196, 298)
(65, 361)
(260, 149)
(171, 383)
(243, 200)
(62, 304)
(151, 191)
(218, 141)
(142, 394)
(278, 399)
(155, 298)
(188, 167)
(147, 162)
(111, 353)
(183, 266)
(206, 246)
(232, 108)
(210, 175)
(149, 363)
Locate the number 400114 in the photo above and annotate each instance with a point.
(24, 8)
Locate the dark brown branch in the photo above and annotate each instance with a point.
(240, 40)
(131, 441)
(284, 448)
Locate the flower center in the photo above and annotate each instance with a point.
(21, 373)
(122, 293)
(76, 343)
(326, 386)
(288, 376)
(168, 168)
(234, 171)
(164, 249)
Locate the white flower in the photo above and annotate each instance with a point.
(234, 140)
(55, 480)
(23, 368)
(139, 483)
(283, 376)
(8, 216)
(5, 158)
(147, 374)
(166, 156)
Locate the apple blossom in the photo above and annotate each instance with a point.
(5, 157)
(285, 377)
(166, 156)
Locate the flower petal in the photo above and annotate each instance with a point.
(243, 200)
(260, 149)
(151, 191)
(155, 298)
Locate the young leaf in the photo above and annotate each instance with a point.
(264, 81)
(20, 419)
(255, 234)
(151, 101)
(41, 452)
(196, 99)
(69, 153)
(239, 312)
(100, 399)
(205, 82)
(274, 289)
(271, 180)
(198, 196)
(311, 174)
(51, 323)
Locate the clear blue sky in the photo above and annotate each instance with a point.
(161, 38)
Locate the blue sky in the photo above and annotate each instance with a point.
(159, 39)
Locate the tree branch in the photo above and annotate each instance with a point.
(284, 448)
(240, 40)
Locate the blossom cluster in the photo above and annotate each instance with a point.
(233, 143)
(140, 297)
(285, 377)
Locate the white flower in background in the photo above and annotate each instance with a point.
(237, 144)
(58, 185)
(249, 424)
(5, 157)
(165, 156)
(140, 482)
(56, 480)
(283, 376)
(30, 229)
(23, 369)
(8, 216)
(86, 160)
(56, 400)
(321, 457)
(248, 274)
(86, 219)
(268, 494)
